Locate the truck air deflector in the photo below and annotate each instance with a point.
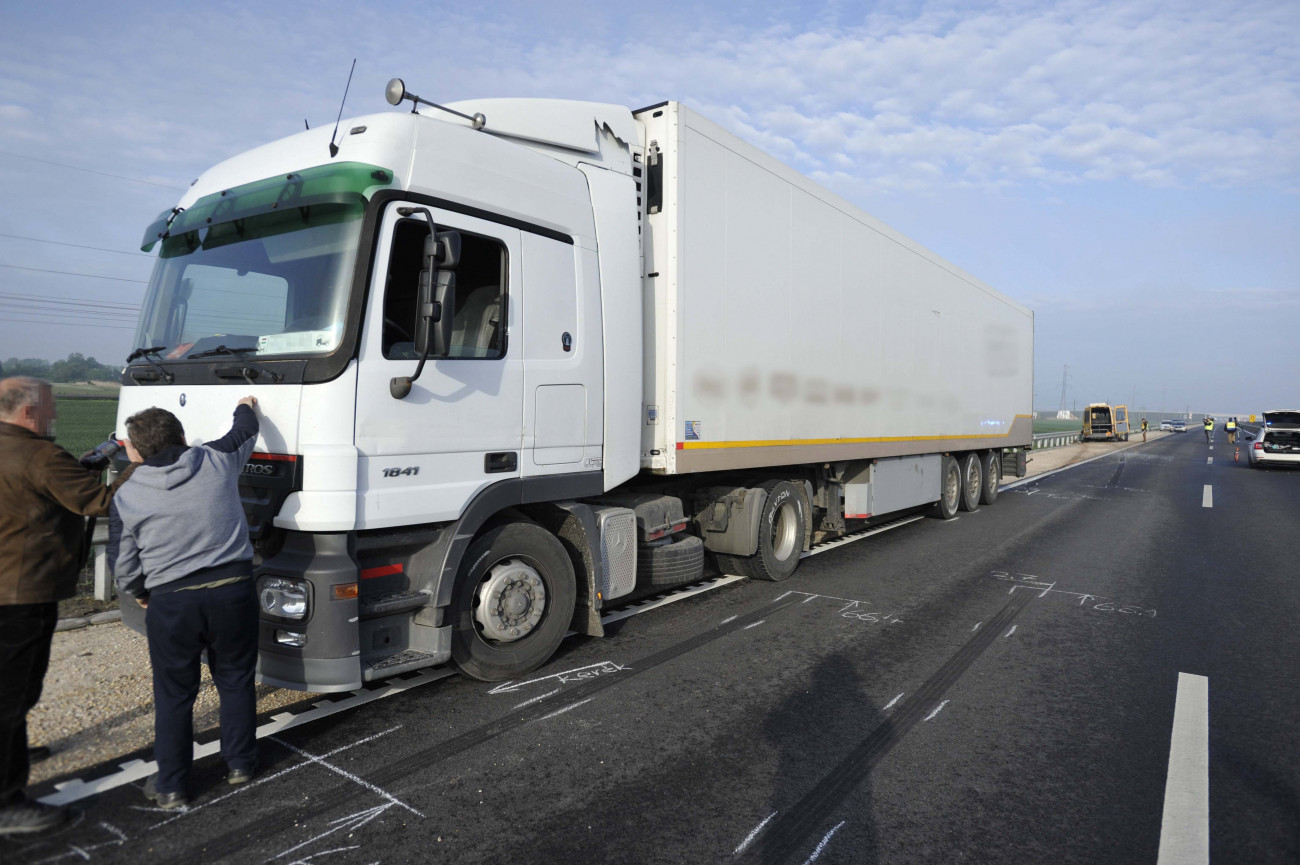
(343, 183)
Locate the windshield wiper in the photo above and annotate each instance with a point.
(241, 352)
(144, 352)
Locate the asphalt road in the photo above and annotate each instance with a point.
(999, 688)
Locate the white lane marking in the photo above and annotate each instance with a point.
(822, 846)
(681, 595)
(1209, 461)
(1013, 629)
(1185, 826)
(755, 625)
(138, 770)
(1207, 497)
(752, 835)
(891, 703)
(857, 536)
(937, 710)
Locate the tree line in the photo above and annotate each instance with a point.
(74, 367)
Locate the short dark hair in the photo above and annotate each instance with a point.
(154, 429)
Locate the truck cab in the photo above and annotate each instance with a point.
(1104, 423)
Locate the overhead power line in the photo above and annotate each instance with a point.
(77, 245)
(92, 171)
(75, 301)
(65, 324)
(71, 273)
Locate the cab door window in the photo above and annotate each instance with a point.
(479, 322)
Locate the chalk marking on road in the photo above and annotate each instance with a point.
(565, 709)
(82, 852)
(1185, 824)
(937, 710)
(729, 619)
(1207, 497)
(536, 699)
(306, 860)
(257, 782)
(349, 823)
(374, 788)
(752, 835)
(810, 598)
(822, 846)
(755, 625)
(782, 597)
(1209, 461)
(1013, 629)
(977, 626)
(891, 703)
(599, 667)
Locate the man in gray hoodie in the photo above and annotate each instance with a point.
(178, 542)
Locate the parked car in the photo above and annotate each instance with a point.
(1278, 441)
(1166, 426)
(1178, 425)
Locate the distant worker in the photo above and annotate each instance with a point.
(1144, 429)
(1231, 427)
(1209, 428)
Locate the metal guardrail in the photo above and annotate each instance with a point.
(1043, 441)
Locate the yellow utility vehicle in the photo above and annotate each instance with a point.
(1104, 423)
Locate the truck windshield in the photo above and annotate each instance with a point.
(278, 282)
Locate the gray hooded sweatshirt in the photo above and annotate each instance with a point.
(178, 521)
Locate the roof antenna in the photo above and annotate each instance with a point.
(334, 148)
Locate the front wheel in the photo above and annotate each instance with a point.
(512, 603)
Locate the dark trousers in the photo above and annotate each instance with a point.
(180, 626)
(26, 631)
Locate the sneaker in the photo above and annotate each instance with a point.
(241, 776)
(25, 816)
(166, 801)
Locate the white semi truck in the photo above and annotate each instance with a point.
(517, 359)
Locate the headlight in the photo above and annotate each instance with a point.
(283, 598)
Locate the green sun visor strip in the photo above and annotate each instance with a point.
(340, 183)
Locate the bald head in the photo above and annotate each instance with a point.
(28, 403)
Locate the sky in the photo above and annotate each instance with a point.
(1129, 171)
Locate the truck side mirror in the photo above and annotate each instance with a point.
(435, 303)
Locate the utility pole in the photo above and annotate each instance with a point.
(1065, 374)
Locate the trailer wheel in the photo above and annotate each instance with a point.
(949, 490)
(989, 489)
(512, 603)
(675, 563)
(780, 538)
(972, 481)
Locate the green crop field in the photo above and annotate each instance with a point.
(83, 423)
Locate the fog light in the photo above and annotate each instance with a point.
(283, 598)
(289, 638)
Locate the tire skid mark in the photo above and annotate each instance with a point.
(795, 826)
(272, 822)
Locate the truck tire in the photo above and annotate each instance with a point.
(675, 563)
(972, 481)
(780, 537)
(992, 464)
(949, 490)
(512, 603)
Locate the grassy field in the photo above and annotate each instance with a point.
(84, 388)
(84, 423)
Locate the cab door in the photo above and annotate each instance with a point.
(423, 457)
(1121, 421)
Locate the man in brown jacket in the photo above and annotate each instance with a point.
(44, 495)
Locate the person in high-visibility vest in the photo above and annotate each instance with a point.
(1231, 427)
(1209, 428)
(1144, 429)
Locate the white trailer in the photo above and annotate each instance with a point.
(520, 358)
